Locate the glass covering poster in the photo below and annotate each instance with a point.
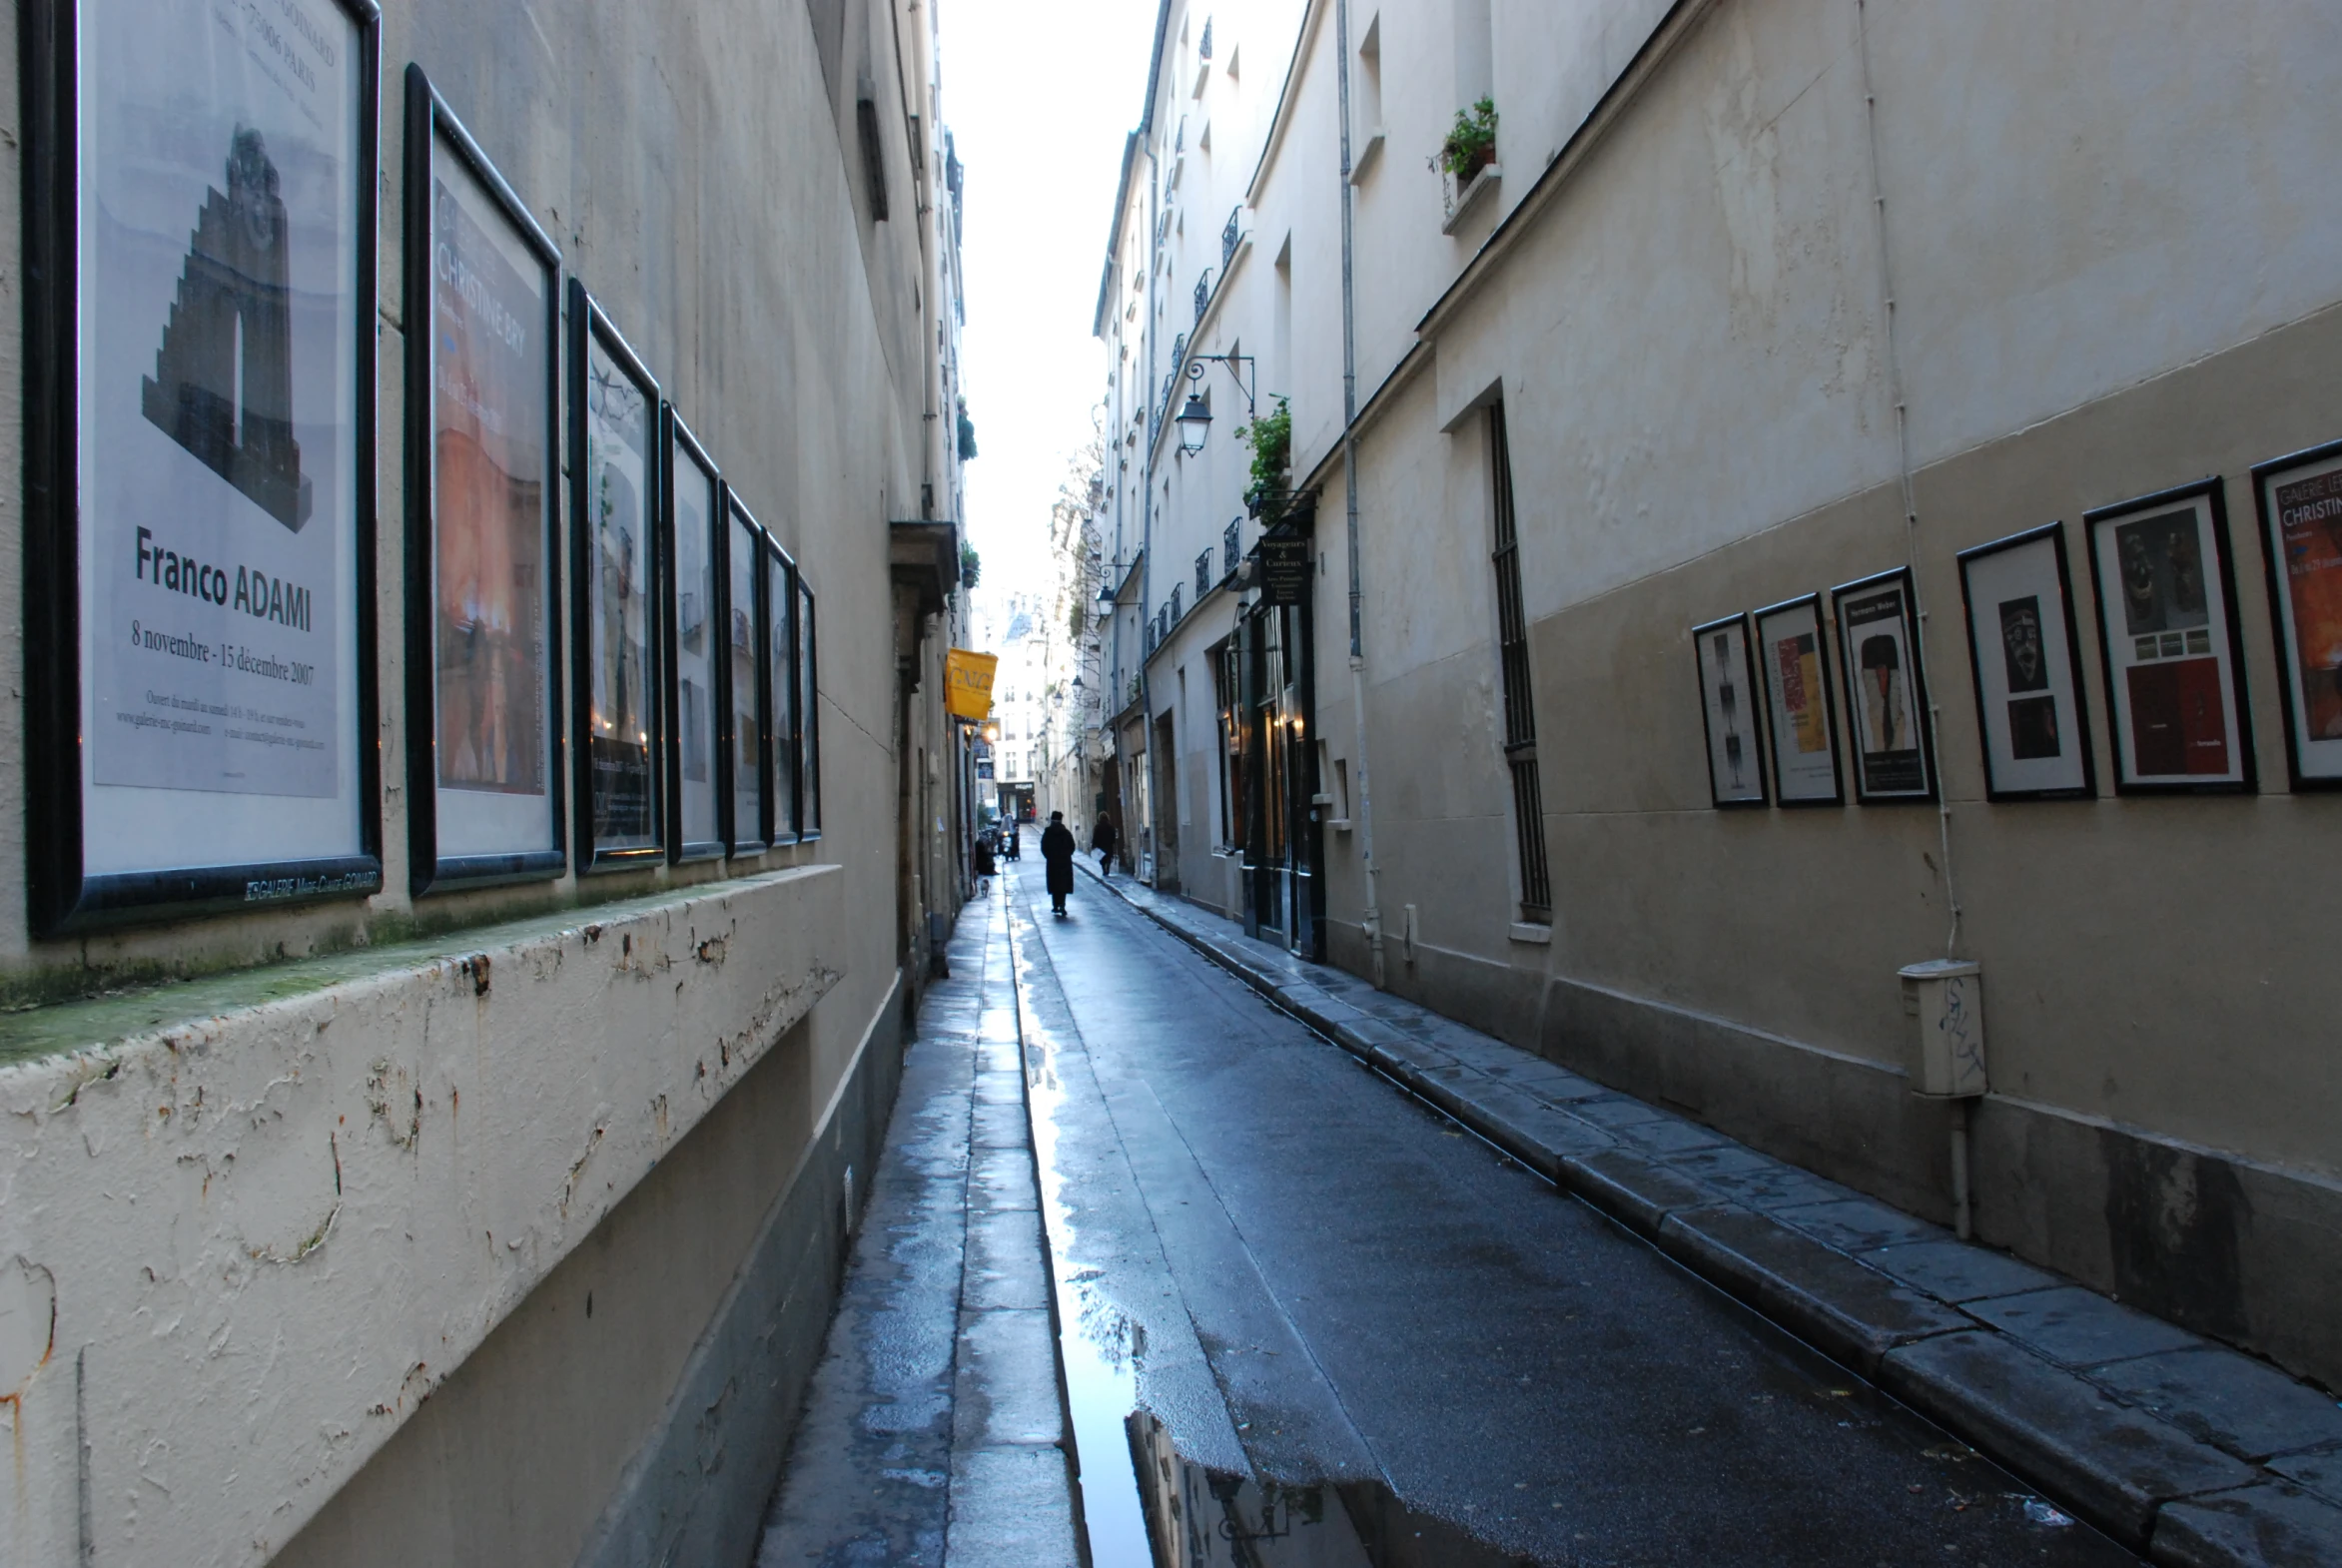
(1728, 708)
(1795, 668)
(2301, 514)
(2022, 650)
(490, 396)
(224, 159)
(695, 653)
(615, 582)
(745, 552)
(1878, 635)
(2162, 571)
(781, 683)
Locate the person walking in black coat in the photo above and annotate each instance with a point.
(1103, 841)
(1057, 852)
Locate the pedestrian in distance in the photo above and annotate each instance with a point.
(1057, 852)
(1103, 841)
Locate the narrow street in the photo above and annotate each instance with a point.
(1276, 1270)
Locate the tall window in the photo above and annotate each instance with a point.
(1520, 713)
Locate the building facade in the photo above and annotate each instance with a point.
(1786, 493)
(460, 986)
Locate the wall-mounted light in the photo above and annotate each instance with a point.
(1195, 424)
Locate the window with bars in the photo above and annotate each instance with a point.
(1520, 714)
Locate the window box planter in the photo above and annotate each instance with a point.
(1466, 193)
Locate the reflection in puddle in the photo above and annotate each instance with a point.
(1159, 1507)
(1204, 1518)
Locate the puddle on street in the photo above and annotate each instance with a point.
(1204, 1518)
(1145, 1504)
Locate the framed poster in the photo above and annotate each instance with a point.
(2300, 499)
(1800, 716)
(199, 419)
(1885, 689)
(694, 515)
(2027, 657)
(613, 624)
(2174, 659)
(808, 719)
(484, 690)
(1727, 710)
(780, 683)
(744, 758)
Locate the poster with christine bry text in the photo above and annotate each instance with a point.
(218, 292)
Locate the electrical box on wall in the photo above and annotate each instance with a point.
(1944, 998)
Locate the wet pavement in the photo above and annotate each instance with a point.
(932, 1432)
(1307, 1320)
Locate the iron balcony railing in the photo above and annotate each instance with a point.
(1203, 294)
(1172, 616)
(1204, 49)
(1202, 574)
(1230, 236)
(1228, 546)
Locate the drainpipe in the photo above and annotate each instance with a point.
(1147, 512)
(1373, 915)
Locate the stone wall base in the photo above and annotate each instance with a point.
(2230, 1247)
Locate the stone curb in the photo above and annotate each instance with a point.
(1747, 1224)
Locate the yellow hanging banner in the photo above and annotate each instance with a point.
(968, 683)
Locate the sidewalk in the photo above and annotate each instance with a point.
(2186, 1451)
(933, 1430)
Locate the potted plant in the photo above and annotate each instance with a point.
(1470, 145)
(1271, 436)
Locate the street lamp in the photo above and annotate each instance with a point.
(1195, 424)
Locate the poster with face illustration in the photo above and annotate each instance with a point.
(1885, 694)
(2167, 621)
(2023, 654)
(1727, 710)
(2301, 538)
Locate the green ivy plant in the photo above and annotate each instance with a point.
(971, 565)
(1271, 436)
(1471, 141)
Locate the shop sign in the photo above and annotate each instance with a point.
(1286, 567)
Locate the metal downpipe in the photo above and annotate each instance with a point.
(1372, 917)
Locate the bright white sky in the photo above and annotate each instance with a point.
(1038, 96)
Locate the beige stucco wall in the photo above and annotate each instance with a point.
(2104, 240)
(251, 1220)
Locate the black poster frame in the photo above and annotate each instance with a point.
(430, 121)
(1811, 603)
(1923, 710)
(2264, 476)
(780, 748)
(743, 839)
(680, 447)
(61, 896)
(1748, 660)
(2055, 533)
(809, 718)
(2211, 492)
(591, 329)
